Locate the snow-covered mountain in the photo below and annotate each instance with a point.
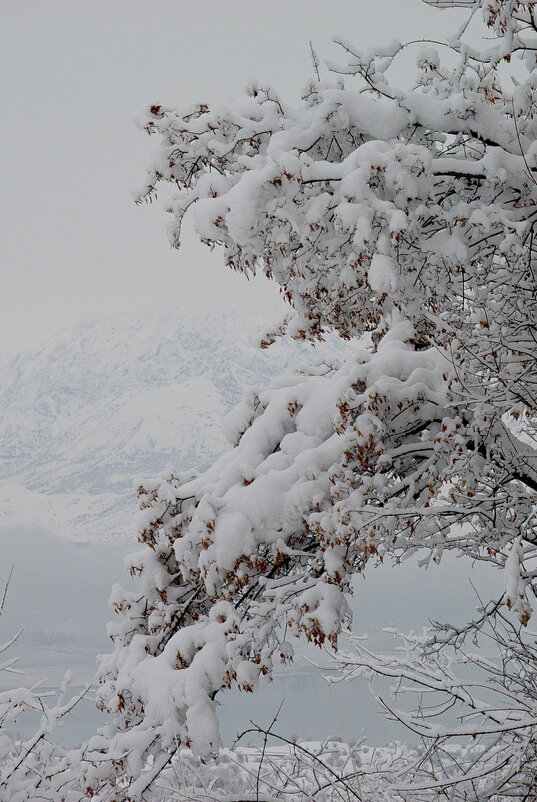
(103, 403)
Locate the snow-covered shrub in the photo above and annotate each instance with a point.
(326, 771)
(34, 768)
(470, 695)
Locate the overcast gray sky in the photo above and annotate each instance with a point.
(75, 75)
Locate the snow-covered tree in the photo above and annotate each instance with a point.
(402, 218)
(469, 694)
(34, 767)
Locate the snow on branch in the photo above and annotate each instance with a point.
(403, 220)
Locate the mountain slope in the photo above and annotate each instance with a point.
(105, 402)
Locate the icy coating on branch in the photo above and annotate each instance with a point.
(403, 220)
